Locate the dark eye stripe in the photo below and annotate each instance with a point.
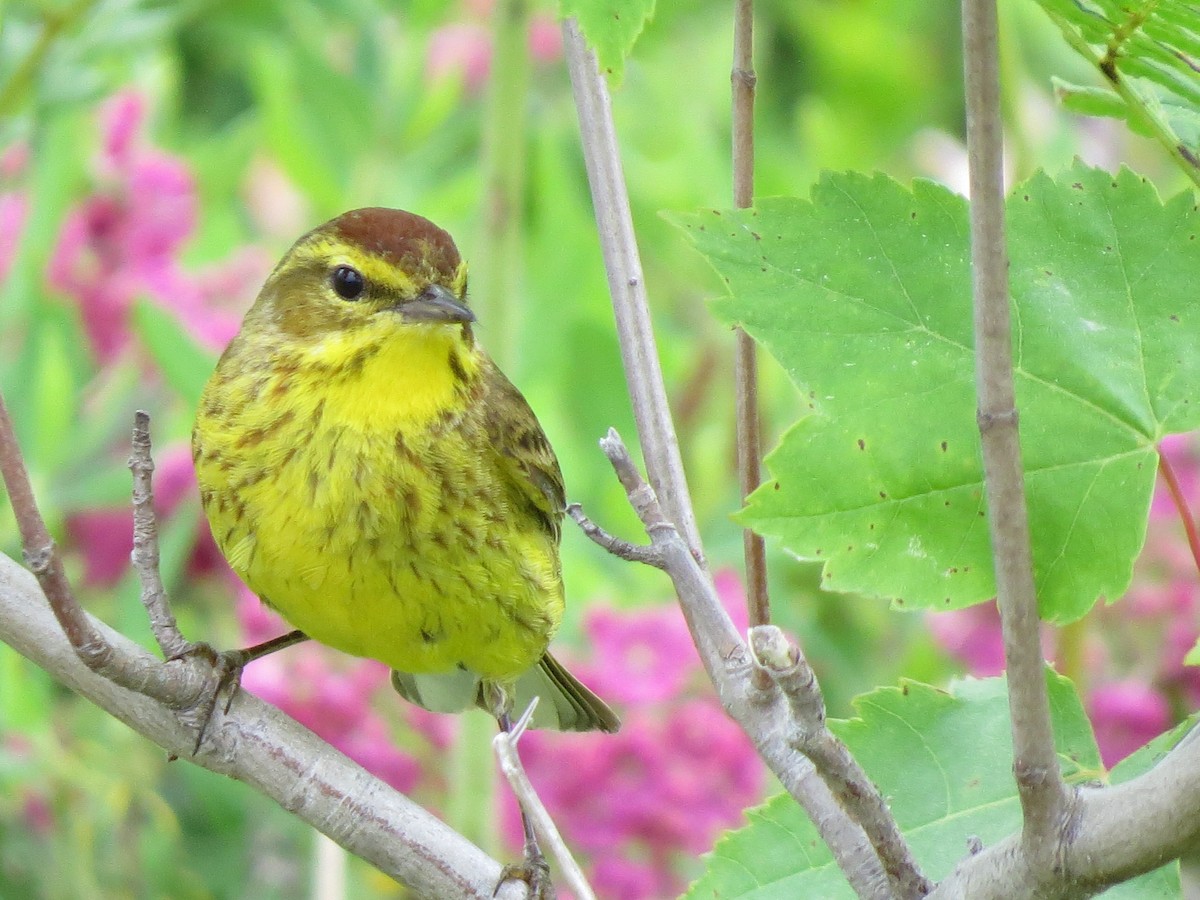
(348, 282)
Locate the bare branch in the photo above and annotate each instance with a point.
(622, 549)
(145, 543)
(614, 223)
(763, 715)
(1044, 798)
(505, 746)
(1117, 833)
(43, 560)
(784, 662)
(745, 365)
(261, 746)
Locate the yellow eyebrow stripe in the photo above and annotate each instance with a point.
(327, 251)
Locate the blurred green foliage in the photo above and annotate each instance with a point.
(288, 112)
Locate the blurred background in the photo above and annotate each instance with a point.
(156, 158)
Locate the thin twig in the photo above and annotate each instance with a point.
(785, 664)
(43, 560)
(1181, 505)
(764, 716)
(622, 263)
(622, 549)
(145, 543)
(1044, 798)
(745, 364)
(505, 745)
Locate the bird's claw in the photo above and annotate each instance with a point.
(534, 871)
(226, 676)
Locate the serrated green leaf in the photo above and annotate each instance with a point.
(863, 294)
(611, 28)
(184, 363)
(944, 761)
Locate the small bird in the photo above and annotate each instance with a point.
(373, 477)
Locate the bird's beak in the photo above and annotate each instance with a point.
(435, 304)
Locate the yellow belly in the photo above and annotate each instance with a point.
(399, 549)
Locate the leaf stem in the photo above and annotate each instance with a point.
(1044, 797)
(1181, 505)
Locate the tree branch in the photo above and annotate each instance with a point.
(505, 746)
(40, 555)
(145, 543)
(259, 745)
(623, 549)
(623, 264)
(745, 364)
(785, 664)
(763, 715)
(1117, 833)
(1044, 798)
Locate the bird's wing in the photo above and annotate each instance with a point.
(523, 456)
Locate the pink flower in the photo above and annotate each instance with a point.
(678, 773)
(123, 242)
(545, 39)
(461, 50)
(14, 209)
(641, 657)
(972, 636)
(1126, 715)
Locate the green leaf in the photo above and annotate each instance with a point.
(944, 761)
(1147, 54)
(1193, 656)
(863, 294)
(1093, 101)
(611, 28)
(184, 363)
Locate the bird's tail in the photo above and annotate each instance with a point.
(564, 703)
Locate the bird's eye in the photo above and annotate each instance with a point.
(348, 282)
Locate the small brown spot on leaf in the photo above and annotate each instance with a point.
(944, 446)
(862, 445)
(883, 495)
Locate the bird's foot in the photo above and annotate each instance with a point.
(225, 678)
(226, 667)
(534, 871)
